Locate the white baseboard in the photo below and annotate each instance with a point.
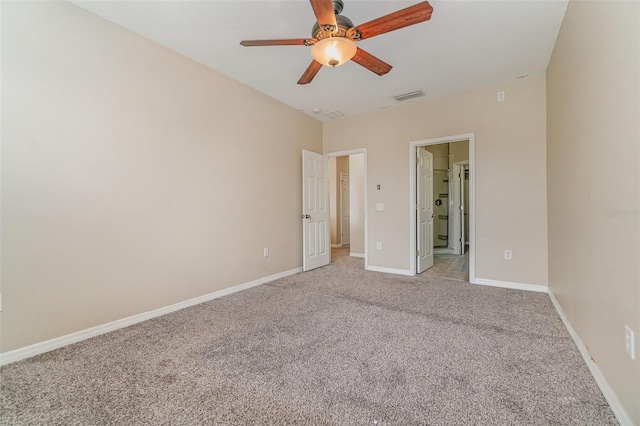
(618, 410)
(356, 254)
(58, 342)
(390, 270)
(507, 284)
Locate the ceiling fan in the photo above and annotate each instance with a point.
(333, 36)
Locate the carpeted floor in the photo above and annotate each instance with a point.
(338, 345)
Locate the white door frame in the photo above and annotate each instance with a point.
(472, 198)
(362, 151)
(458, 205)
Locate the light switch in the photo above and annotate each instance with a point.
(380, 207)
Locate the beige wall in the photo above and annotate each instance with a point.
(459, 151)
(510, 176)
(593, 157)
(132, 177)
(440, 155)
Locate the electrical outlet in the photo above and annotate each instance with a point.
(629, 342)
(501, 96)
(508, 254)
(266, 252)
(379, 245)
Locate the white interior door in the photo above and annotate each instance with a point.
(345, 213)
(424, 210)
(316, 250)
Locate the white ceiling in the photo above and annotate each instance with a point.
(465, 45)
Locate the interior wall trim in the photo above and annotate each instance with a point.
(59, 342)
(618, 410)
(406, 272)
(507, 284)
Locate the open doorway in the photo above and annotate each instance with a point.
(450, 200)
(442, 215)
(347, 204)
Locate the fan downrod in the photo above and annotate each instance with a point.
(338, 5)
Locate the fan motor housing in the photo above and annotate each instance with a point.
(344, 25)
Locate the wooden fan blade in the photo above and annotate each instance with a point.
(370, 62)
(284, 42)
(323, 9)
(310, 72)
(402, 18)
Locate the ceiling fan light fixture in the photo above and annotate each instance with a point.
(333, 51)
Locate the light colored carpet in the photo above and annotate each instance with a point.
(338, 345)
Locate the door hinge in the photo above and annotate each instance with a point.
(417, 253)
(417, 160)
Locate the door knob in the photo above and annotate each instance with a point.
(306, 216)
